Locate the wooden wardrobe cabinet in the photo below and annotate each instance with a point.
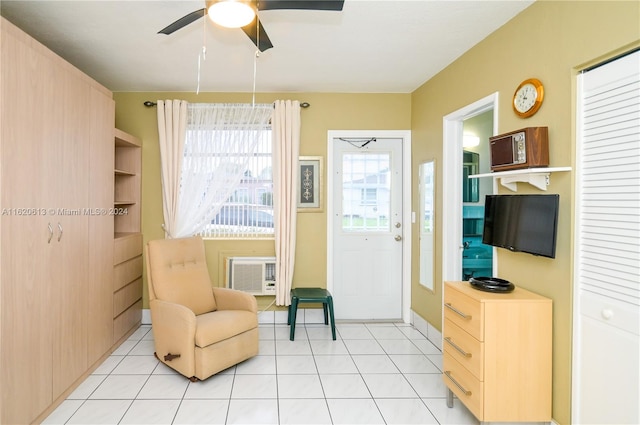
(497, 353)
(56, 230)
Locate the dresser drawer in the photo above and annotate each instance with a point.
(126, 321)
(127, 272)
(126, 297)
(467, 350)
(464, 311)
(125, 248)
(467, 387)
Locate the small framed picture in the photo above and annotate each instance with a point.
(310, 184)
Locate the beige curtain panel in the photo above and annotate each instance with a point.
(286, 147)
(172, 131)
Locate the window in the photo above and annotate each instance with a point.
(245, 208)
(241, 195)
(368, 196)
(366, 192)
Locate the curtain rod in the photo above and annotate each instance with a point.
(150, 104)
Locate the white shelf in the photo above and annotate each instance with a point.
(538, 177)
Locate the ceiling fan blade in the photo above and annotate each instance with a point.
(184, 21)
(301, 4)
(252, 30)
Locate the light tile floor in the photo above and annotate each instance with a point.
(372, 374)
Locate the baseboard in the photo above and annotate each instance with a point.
(520, 423)
(278, 317)
(303, 316)
(316, 315)
(432, 334)
(146, 316)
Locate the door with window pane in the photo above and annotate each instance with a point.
(367, 228)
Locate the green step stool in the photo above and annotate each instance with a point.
(311, 295)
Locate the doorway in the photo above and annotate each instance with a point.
(477, 258)
(369, 223)
(452, 223)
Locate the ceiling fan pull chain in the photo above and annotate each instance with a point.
(255, 73)
(255, 60)
(203, 54)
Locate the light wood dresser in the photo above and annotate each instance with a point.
(497, 353)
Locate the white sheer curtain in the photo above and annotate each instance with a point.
(172, 129)
(208, 180)
(196, 184)
(286, 147)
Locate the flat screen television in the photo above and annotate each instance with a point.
(522, 223)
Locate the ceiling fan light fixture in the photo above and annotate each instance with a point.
(231, 13)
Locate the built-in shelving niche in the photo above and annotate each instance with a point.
(127, 183)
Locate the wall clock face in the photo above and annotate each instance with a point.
(528, 97)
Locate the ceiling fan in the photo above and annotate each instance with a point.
(252, 28)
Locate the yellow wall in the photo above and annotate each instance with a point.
(327, 112)
(550, 40)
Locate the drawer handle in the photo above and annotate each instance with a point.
(464, 391)
(458, 349)
(458, 312)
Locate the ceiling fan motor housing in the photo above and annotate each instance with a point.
(231, 13)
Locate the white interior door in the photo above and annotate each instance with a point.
(368, 228)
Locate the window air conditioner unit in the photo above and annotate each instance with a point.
(253, 275)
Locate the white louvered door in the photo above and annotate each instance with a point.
(606, 372)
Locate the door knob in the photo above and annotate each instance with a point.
(398, 225)
(398, 238)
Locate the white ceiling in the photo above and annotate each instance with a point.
(390, 46)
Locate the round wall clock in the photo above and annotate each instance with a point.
(528, 98)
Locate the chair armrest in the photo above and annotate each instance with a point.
(174, 316)
(174, 330)
(231, 299)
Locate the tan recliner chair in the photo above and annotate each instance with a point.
(198, 329)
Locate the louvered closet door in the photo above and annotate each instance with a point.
(607, 318)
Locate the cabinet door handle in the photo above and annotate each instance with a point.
(458, 312)
(464, 391)
(50, 232)
(458, 349)
(59, 232)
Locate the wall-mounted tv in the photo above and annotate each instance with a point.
(522, 223)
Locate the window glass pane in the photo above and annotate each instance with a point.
(366, 192)
(248, 211)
